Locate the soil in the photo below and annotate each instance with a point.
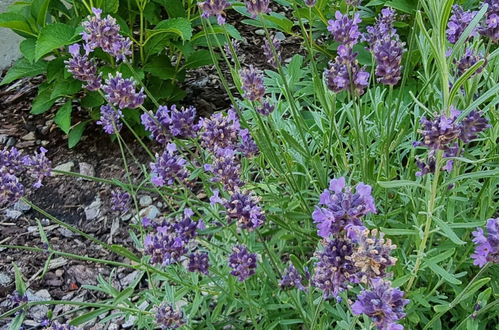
(66, 199)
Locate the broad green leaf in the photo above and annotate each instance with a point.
(66, 88)
(52, 37)
(110, 6)
(407, 6)
(199, 58)
(63, 117)
(179, 26)
(174, 8)
(16, 22)
(27, 48)
(75, 134)
(92, 100)
(42, 102)
(23, 68)
(160, 66)
(39, 9)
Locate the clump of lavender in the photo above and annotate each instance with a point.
(120, 201)
(38, 166)
(170, 240)
(257, 7)
(269, 53)
(169, 167)
(487, 246)
(170, 121)
(105, 33)
(247, 146)
(490, 28)
(83, 68)
(226, 169)
(371, 255)
(345, 30)
(110, 119)
(121, 92)
(242, 262)
(469, 59)
(219, 131)
(266, 108)
(345, 74)
(244, 208)
(333, 269)
(11, 190)
(11, 160)
(443, 133)
(214, 8)
(339, 207)
(386, 47)
(291, 278)
(252, 83)
(169, 318)
(458, 22)
(382, 303)
(198, 262)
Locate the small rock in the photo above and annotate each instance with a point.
(126, 217)
(4, 138)
(145, 201)
(87, 169)
(83, 275)
(280, 36)
(65, 232)
(13, 214)
(5, 279)
(11, 142)
(66, 167)
(260, 32)
(38, 312)
(28, 137)
(59, 272)
(93, 210)
(21, 206)
(45, 143)
(32, 229)
(150, 212)
(159, 205)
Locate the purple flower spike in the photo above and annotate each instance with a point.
(110, 119)
(467, 61)
(458, 22)
(168, 122)
(59, 326)
(345, 74)
(471, 125)
(383, 304)
(252, 83)
(487, 246)
(38, 166)
(105, 33)
(310, 3)
(214, 8)
(83, 68)
(341, 207)
(198, 262)
(439, 133)
(169, 167)
(333, 269)
(291, 278)
(11, 161)
(169, 318)
(226, 169)
(242, 262)
(490, 28)
(219, 131)
(257, 7)
(388, 55)
(248, 146)
(120, 201)
(345, 30)
(266, 108)
(244, 208)
(11, 190)
(121, 92)
(269, 53)
(383, 29)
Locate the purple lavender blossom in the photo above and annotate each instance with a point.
(18, 299)
(252, 83)
(11, 161)
(333, 269)
(244, 208)
(226, 169)
(120, 201)
(105, 33)
(169, 167)
(266, 108)
(60, 326)
(388, 55)
(345, 30)
(38, 166)
(471, 125)
(383, 29)
(345, 74)
(341, 207)
(291, 278)
(11, 190)
(371, 255)
(248, 146)
(469, 59)
(220, 131)
(310, 3)
(183, 122)
(83, 68)
(490, 28)
(257, 7)
(121, 92)
(214, 8)
(458, 22)
(268, 51)
(383, 304)
(169, 318)
(110, 119)
(171, 121)
(242, 262)
(487, 246)
(439, 133)
(198, 262)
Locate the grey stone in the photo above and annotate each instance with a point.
(28, 137)
(151, 212)
(12, 140)
(6, 279)
(9, 51)
(4, 138)
(13, 214)
(38, 312)
(145, 201)
(260, 32)
(66, 167)
(126, 217)
(87, 169)
(21, 206)
(92, 211)
(65, 232)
